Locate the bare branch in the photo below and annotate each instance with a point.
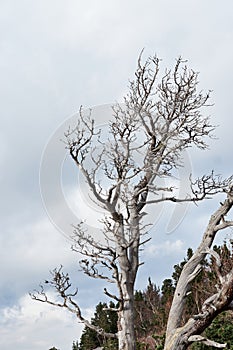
(60, 282)
(112, 296)
(202, 188)
(204, 340)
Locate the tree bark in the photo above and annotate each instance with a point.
(128, 263)
(179, 336)
(126, 332)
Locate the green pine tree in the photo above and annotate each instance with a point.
(75, 346)
(105, 319)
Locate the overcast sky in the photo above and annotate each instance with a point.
(56, 56)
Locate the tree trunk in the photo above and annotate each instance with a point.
(175, 344)
(126, 332)
(179, 337)
(128, 262)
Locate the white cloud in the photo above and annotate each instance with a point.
(29, 252)
(84, 208)
(166, 248)
(3, 147)
(32, 325)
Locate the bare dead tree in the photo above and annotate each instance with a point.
(177, 336)
(161, 118)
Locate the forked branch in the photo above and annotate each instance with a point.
(61, 283)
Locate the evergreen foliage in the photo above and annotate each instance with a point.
(75, 346)
(107, 320)
(221, 330)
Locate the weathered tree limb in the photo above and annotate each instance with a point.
(60, 282)
(208, 342)
(177, 335)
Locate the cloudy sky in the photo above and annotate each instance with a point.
(56, 56)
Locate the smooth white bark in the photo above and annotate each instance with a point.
(177, 336)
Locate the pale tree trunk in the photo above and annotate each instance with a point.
(128, 262)
(126, 332)
(178, 336)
